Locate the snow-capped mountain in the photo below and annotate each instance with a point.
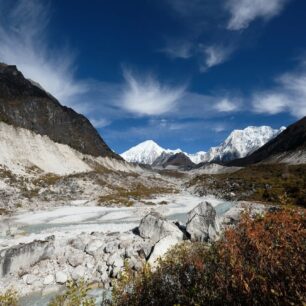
(238, 144)
(241, 143)
(146, 152)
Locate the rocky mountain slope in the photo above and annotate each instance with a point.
(238, 144)
(289, 146)
(173, 161)
(24, 104)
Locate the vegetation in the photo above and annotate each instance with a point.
(261, 262)
(75, 295)
(9, 298)
(267, 183)
(127, 197)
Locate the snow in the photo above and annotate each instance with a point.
(238, 144)
(145, 152)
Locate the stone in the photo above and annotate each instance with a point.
(61, 277)
(93, 246)
(161, 248)
(49, 279)
(75, 257)
(78, 273)
(24, 256)
(30, 279)
(155, 227)
(202, 224)
(102, 268)
(111, 247)
(115, 260)
(104, 277)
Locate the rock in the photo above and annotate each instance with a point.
(115, 272)
(115, 260)
(75, 257)
(61, 277)
(202, 224)
(30, 279)
(24, 256)
(145, 249)
(155, 227)
(102, 268)
(161, 248)
(111, 247)
(104, 277)
(93, 246)
(78, 273)
(48, 280)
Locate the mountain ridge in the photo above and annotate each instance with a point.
(238, 144)
(25, 104)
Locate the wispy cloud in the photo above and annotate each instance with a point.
(226, 106)
(243, 12)
(214, 55)
(23, 41)
(289, 95)
(178, 49)
(147, 96)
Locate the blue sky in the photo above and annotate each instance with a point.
(184, 73)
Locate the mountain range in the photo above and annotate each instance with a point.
(238, 144)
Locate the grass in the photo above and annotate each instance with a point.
(272, 183)
(127, 197)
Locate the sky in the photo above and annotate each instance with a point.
(183, 73)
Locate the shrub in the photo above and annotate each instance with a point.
(261, 262)
(75, 295)
(9, 298)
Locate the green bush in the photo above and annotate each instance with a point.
(75, 295)
(9, 298)
(261, 262)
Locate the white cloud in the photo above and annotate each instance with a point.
(100, 122)
(23, 41)
(243, 12)
(178, 49)
(226, 106)
(214, 55)
(289, 95)
(147, 96)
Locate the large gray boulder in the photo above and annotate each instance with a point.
(24, 256)
(155, 227)
(202, 224)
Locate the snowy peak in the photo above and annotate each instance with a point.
(238, 144)
(241, 143)
(146, 152)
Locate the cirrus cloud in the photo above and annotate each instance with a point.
(147, 96)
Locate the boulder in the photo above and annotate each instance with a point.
(61, 277)
(93, 246)
(78, 273)
(75, 257)
(202, 224)
(49, 279)
(161, 248)
(24, 256)
(115, 260)
(155, 227)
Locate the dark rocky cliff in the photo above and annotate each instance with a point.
(23, 104)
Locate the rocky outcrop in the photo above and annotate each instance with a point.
(24, 104)
(202, 224)
(23, 256)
